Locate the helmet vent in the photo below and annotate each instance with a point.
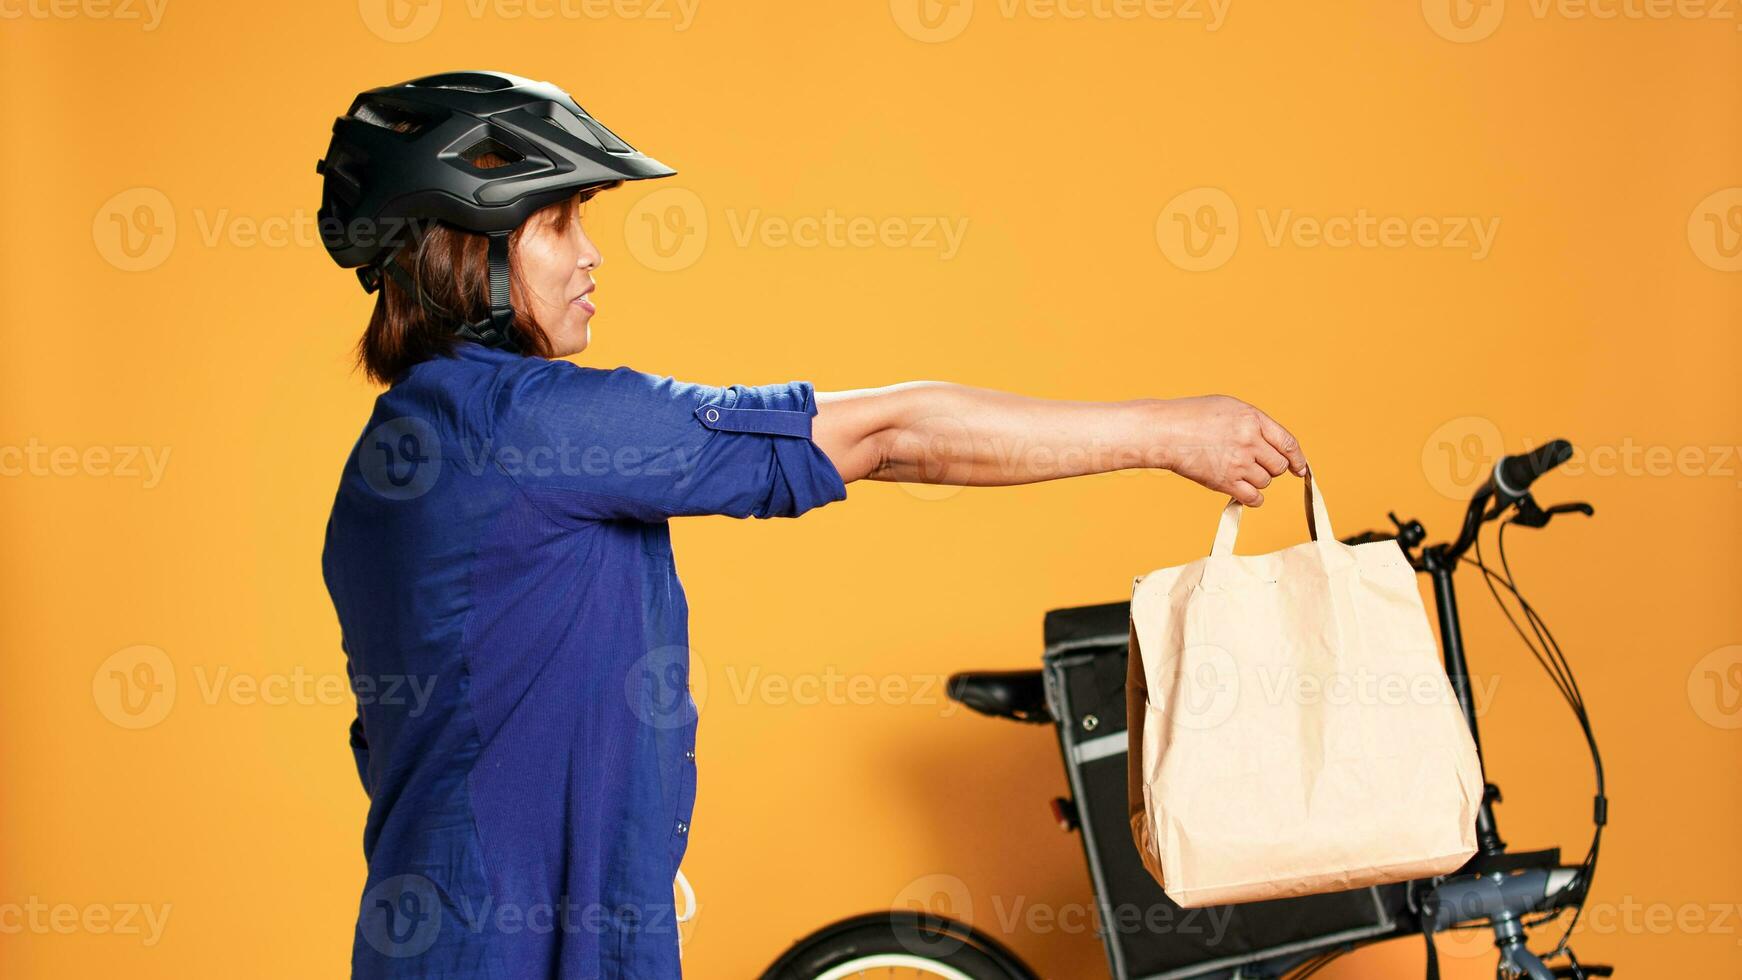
(488, 153)
(466, 81)
(344, 166)
(397, 118)
(606, 138)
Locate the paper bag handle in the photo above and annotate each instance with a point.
(1318, 520)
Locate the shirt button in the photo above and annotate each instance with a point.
(713, 416)
(682, 827)
(690, 754)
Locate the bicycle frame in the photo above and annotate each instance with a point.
(1439, 568)
(1494, 885)
(1496, 889)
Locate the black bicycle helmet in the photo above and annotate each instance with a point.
(405, 154)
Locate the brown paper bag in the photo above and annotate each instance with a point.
(1292, 728)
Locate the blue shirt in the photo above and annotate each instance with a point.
(517, 639)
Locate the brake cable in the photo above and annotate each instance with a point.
(1554, 662)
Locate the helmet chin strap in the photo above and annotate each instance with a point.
(497, 330)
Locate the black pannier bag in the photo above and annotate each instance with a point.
(1147, 935)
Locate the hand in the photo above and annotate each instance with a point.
(1228, 446)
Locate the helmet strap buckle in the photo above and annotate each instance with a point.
(370, 277)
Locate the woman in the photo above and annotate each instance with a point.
(498, 552)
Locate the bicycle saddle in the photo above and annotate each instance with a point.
(1014, 694)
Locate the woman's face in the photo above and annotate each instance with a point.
(556, 261)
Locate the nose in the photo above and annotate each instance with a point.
(589, 257)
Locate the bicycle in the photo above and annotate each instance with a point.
(1507, 892)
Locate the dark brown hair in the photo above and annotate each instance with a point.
(451, 268)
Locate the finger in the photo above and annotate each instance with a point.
(1246, 493)
(1273, 462)
(1285, 443)
(1256, 475)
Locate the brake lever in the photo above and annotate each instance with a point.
(1408, 534)
(1530, 514)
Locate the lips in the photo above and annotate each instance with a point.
(583, 302)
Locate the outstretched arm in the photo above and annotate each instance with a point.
(938, 432)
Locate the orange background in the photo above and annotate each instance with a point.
(1605, 311)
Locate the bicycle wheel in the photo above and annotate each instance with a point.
(897, 946)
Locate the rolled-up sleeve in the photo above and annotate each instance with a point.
(621, 443)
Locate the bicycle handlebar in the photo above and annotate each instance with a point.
(1458, 901)
(1514, 474)
(1509, 483)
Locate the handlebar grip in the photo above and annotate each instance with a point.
(1514, 474)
